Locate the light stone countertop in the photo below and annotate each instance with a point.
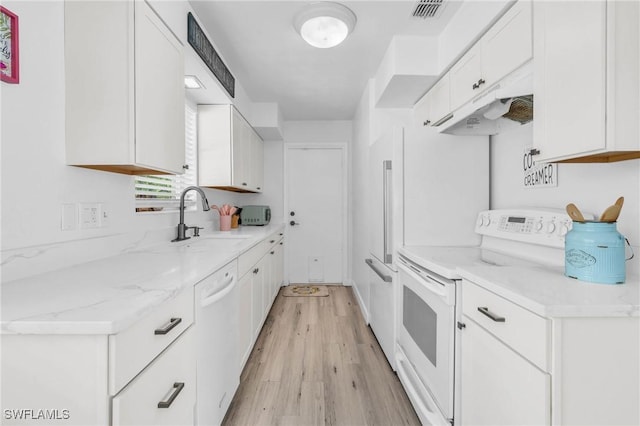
(542, 289)
(546, 291)
(108, 295)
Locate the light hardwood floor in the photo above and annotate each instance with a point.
(317, 363)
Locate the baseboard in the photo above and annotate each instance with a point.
(363, 308)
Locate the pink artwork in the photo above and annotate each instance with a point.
(9, 66)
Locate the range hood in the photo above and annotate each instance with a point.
(509, 103)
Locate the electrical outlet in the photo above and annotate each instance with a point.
(89, 214)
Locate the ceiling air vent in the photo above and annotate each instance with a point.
(428, 8)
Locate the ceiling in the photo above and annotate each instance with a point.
(273, 64)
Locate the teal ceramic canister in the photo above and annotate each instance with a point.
(594, 251)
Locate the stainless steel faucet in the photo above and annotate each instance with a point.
(182, 228)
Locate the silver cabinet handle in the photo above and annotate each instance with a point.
(170, 326)
(485, 311)
(177, 386)
(386, 212)
(385, 278)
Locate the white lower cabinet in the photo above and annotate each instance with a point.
(245, 329)
(103, 379)
(277, 267)
(260, 294)
(164, 393)
(499, 386)
(504, 352)
(519, 368)
(261, 271)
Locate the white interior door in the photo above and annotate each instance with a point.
(315, 214)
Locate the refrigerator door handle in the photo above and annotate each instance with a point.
(385, 278)
(386, 213)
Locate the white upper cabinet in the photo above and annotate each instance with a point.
(257, 161)
(505, 47)
(508, 44)
(586, 85)
(230, 152)
(466, 78)
(435, 106)
(125, 99)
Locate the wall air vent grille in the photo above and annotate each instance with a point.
(428, 9)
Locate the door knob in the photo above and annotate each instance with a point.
(292, 213)
(293, 223)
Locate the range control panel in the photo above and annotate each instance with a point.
(544, 227)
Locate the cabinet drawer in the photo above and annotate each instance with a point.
(170, 380)
(134, 348)
(522, 330)
(249, 258)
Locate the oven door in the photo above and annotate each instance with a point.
(426, 332)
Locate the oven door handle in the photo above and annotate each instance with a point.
(429, 284)
(385, 278)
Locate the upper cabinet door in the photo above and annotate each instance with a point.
(257, 161)
(586, 85)
(241, 149)
(466, 78)
(569, 77)
(124, 94)
(229, 157)
(440, 95)
(508, 44)
(159, 75)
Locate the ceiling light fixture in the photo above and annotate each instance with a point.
(325, 24)
(192, 82)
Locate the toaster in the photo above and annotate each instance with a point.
(255, 215)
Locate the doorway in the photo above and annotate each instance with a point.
(315, 213)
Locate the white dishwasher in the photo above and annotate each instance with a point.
(216, 323)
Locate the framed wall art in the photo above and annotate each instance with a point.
(9, 66)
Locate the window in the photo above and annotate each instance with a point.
(155, 193)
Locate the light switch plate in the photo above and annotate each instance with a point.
(68, 217)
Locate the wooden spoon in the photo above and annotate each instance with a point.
(611, 213)
(575, 213)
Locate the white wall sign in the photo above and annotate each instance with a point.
(538, 175)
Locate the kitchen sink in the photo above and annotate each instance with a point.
(199, 244)
(225, 236)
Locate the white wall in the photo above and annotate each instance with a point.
(338, 131)
(360, 220)
(592, 187)
(35, 179)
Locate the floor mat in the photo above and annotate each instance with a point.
(305, 291)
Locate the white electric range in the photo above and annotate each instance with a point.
(521, 257)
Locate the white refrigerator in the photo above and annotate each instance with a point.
(426, 189)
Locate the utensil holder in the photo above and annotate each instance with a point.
(225, 223)
(594, 252)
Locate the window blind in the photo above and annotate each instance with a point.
(155, 193)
